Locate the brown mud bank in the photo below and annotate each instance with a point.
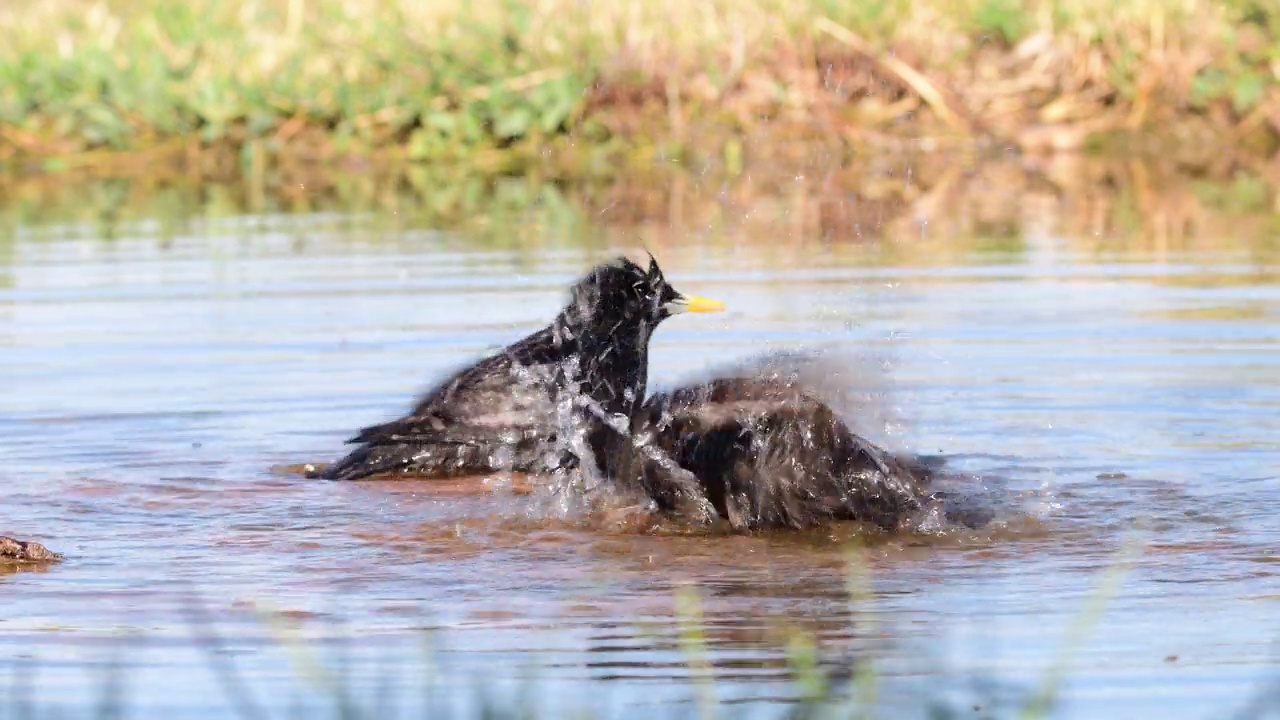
(14, 551)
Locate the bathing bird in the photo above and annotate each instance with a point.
(538, 405)
(765, 453)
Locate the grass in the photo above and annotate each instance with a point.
(595, 86)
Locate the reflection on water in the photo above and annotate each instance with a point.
(1096, 345)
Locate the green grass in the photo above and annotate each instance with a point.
(488, 80)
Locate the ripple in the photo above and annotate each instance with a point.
(161, 401)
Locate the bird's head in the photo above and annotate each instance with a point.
(624, 292)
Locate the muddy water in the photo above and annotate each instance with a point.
(1117, 402)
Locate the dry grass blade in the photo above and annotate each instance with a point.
(915, 80)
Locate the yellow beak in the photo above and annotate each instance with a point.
(693, 303)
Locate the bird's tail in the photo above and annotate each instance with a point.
(436, 460)
(369, 460)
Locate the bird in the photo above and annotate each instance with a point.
(542, 403)
(764, 452)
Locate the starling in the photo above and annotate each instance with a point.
(765, 453)
(538, 405)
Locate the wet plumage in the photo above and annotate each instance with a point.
(510, 410)
(765, 453)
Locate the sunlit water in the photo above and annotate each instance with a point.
(150, 385)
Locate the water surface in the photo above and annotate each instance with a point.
(1116, 392)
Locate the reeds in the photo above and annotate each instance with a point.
(819, 684)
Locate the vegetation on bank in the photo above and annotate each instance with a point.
(505, 83)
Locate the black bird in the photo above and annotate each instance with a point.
(766, 453)
(510, 411)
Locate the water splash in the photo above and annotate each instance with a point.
(793, 469)
(856, 385)
(573, 486)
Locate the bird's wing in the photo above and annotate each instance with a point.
(495, 400)
(717, 416)
(419, 431)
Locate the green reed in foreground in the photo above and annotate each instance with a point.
(818, 692)
(475, 80)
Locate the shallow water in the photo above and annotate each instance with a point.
(1124, 401)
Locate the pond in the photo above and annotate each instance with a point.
(1105, 357)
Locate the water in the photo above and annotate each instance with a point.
(1118, 386)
